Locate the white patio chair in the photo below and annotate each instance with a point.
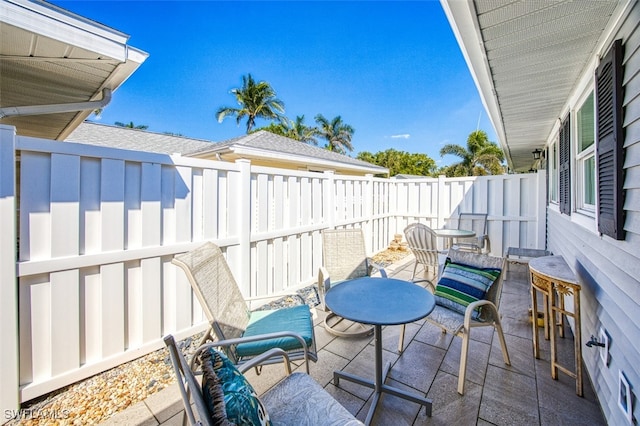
(423, 243)
(459, 324)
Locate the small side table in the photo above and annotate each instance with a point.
(551, 276)
(522, 256)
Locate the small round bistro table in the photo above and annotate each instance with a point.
(449, 234)
(380, 301)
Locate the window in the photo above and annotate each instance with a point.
(586, 162)
(609, 145)
(553, 171)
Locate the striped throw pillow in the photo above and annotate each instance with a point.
(462, 284)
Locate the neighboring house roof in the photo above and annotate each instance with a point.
(134, 139)
(264, 145)
(405, 176)
(526, 58)
(52, 62)
(262, 148)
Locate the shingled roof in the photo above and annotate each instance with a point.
(269, 143)
(134, 139)
(261, 147)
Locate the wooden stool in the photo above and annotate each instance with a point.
(551, 276)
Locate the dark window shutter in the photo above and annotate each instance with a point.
(565, 168)
(609, 144)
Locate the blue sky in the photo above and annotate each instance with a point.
(391, 70)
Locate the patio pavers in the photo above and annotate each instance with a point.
(495, 393)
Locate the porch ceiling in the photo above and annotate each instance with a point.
(526, 58)
(51, 56)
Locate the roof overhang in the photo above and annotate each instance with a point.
(526, 58)
(257, 155)
(50, 57)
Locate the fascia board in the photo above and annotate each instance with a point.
(56, 23)
(463, 20)
(136, 55)
(243, 150)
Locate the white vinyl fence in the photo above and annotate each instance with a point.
(87, 281)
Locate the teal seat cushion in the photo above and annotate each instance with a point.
(462, 284)
(296, 319)
(227, 393)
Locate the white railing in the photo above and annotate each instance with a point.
(98, 227)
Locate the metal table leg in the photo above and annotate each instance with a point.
(378, 385)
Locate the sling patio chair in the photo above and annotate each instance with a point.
(423, 243)
(253, 333)
(467, 296)
(344, 258)
(226, 397)
(476, 222)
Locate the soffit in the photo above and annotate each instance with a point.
(50, 56)
(527, 57)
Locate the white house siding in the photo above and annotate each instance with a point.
(609, 270)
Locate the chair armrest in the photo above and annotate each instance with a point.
(486, 243)
(373, 266)
(486, 304)
(271, 296)
(256, 302)
(271, 353)
(262, 357)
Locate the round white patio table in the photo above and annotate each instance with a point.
(449, 234)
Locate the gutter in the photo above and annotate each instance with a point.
(57, 108)
(243, 150)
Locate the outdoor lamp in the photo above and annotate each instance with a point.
(536, 153)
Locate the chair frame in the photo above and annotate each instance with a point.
(429, 256)
(351, 243)
(189, 386)
(320, 399)
(490, 315)
(210, 251)
(478, 244)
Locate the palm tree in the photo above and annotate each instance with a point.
(130, 125)
(480, 157)
(293, 129)
(337, 133)
(256, 100)
(299, 131)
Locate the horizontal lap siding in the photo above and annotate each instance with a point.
(610, 278)
(609, 270)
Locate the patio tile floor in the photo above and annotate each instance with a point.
(495, 393)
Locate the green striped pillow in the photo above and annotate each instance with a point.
(462, 284)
